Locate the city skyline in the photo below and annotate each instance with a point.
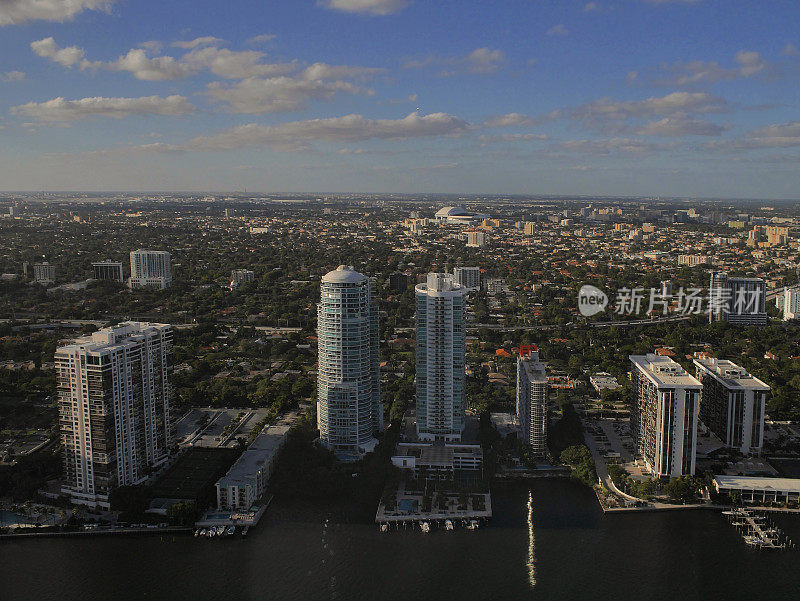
(629, 98)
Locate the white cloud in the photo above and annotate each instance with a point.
(61, 110)
(790, 50)
(681, 126)
(160, 68)
(559, 30)
(480, 60)
(783, 135)
(234, 64)
(325, 71)
(509, 120)
(14, 12)
(368, 7)
(257, 96)
(262, 38)
(484, 60)
(47, 48)
(693, 73)
(591, 7)
(350, 128)
(605, 109)
(12, 76)
(204, 41)
(152, 45)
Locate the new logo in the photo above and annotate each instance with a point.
(591, 300)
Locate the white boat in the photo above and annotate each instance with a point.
(425, 527)
(448, 524)
(230, 530)
(473, 525)
(384, 527)
(196, 533)
(212, 533)
(203, 532)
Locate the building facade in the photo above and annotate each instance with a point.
(114, 390)
(665, 402)
(468, 277)
(739, 301)
(240, 276)
(150, 269)
(732, 404)
(532, 396)
(108, 270)
(349, 409)
(791, 304)
(441, 358)
(44, 273)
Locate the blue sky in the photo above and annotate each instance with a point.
(614, 97)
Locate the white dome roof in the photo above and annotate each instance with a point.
(450, 211)
(344, 274)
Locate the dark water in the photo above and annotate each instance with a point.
(572, 551)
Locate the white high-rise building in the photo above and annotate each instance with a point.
(732, 404)
(469, 277)
(241, 276)
(665, 402)
(440, 358)
(791, 303)
(108, 270)
(532, 395)
(44, 273)
(114, 389)
(150, 268)
(739, 301)
(476, 239)
(349, 409)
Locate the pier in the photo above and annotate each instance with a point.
(757, 530)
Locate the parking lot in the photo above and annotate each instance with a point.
(613, 439)
(208, 427)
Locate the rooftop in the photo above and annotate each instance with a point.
(344, 274)
(663, 371)
(730, 374)
(756, 483)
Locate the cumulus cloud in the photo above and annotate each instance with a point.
(12, 76)
(14, 12)
(47, 48)
(509, 120)
(136, 61)
(484, 60)
(559, 30)
(204, 41)
(350, 128)
(693, 73)
(367, 7)
(783, 135)
(61, 110)
(325, 71)
(262, 38)
(257, 96)
(232, 64)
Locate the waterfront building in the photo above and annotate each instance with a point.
(108, 270)
(739, 301)
(349, 409)
(114, 389)
(732, 404)
(791, 303)
(468, 277)
(150, 269)
(443, 461)
(441, 359)
(44, 273)
(664, 411)
(532, 396)
(760, 490)
(247, 479)
(240, 276)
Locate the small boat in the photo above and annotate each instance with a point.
(212, 532)
(245, 530)
(448, 524)
(196, 533)
(425, 527)
(473, 525)
(384, 527)
(230, 530)
(203, 532)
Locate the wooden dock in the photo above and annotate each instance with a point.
(757, 530)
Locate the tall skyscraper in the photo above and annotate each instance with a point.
(150, 268)
(440, 358)
(532, 394)
(739, 301)
(469, 277)
(664, 407)
(108, 270)
(349, 409)
(732, 404)
(114, 389)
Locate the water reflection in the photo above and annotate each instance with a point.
(531, 544)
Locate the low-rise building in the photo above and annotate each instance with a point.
(759, 490)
